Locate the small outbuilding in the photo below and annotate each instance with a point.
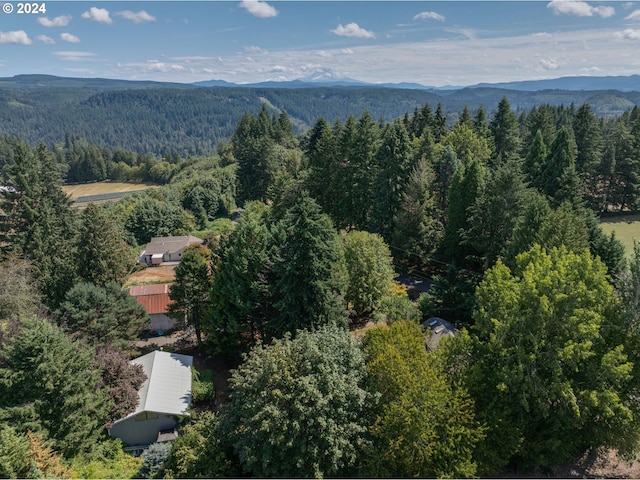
(437, 329)
(155, 300)
(164, 395)
(166, 249)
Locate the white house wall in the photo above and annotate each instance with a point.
(141, 432)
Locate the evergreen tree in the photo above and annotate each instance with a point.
(393, 162)
(467, 185)
(505, 131)
(103, 256)
(309, 271)
(50, 384)
(240, 292)
(39, 221)
(190, 290)
(102, 315)
(535, 160)
(495, 212)
(587, 133)
(446, 167)
(417, 228)
(439, 124)
(346, 174)
(252, 142)
(566, 227)
(539, 118)
(624, 186)
(465, 118)
(558, 177)
(363, 169)
(14, 453)
(535, 210)
(324, 168)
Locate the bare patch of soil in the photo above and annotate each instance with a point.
(161, 274)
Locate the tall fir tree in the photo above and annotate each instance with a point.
(50, 384)
(309, 270)
(103, 256)
(505, 131)
(495, 213)
(40, 221)
(417, 227)
(393, 162)
(535, 160)
(190, 290)
(240, 294)
(467, 185)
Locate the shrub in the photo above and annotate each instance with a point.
(202, 386)
(153, 459)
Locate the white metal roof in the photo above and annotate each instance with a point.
(167, 388)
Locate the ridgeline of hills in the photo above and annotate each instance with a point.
(159, 118)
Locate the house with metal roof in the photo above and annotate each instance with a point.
(166, 249)
(164, 395)
(155, 300)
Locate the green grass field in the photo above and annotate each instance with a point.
(627, 229)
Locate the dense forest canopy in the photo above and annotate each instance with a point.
(498, 208)
(161, 118)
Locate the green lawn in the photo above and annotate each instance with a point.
(627, 229)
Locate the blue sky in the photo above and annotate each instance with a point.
(432, 43)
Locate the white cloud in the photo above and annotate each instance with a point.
(193, 58)
(352, 30)
(139, 17)
(45, 39)
(67, 37)
(429, 16)
(579, 8)
(61, 21)
(604, 12)
(549, 64)
(74, 56)
(591, 70)
(635, 15)
(153, 66)
(100, 15)
(255, 49)
(629, 34)
(259, 9)
(17, 37)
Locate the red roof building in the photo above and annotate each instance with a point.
(155, 300)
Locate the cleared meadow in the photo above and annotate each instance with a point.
(99, 192)
(627, 229)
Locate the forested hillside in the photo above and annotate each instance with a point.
(497, 208)
(165, 118)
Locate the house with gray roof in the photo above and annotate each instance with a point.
(437, 328)
(164, 395)
(166, 249)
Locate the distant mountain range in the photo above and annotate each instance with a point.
(621, 83)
